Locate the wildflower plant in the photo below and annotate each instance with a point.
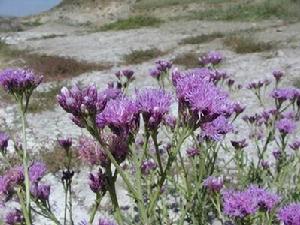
(166, 144)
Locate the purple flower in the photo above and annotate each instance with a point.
(256, 85)
(290, 214)
(3, 141)
(41, 191)
(214, 184)
(148, 166)
(36, 171)
(203, 97)
(211, 57)
(155, 73)
(278, 75)
(283, 94)
(153, 104)
(85, 102)
(192, 152)
(107, 221)
(91, 153)
(97, 181)
(295, 145)
(238, 108)
(216, 129)
(14, 217)
(121, 115)
(169, 121)
(65, 143)
(266, 200)
(277, 154)
(286, 126)
(128, 74)
(18, 81)
(238, 145)
(161, 67)
(265, 164)
(12, 178)
(239, 204)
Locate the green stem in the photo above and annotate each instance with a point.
(97, 203)
(25, 160)
(70, 203)
(23, 207)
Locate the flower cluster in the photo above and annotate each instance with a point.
(203, 97)
(162, 67)
(213, 58)
(154, 104)
(82, 103)
(290, 214)
(120, 115)
(97, 181)
(239, 204)
(91, 153)
(148, 166)
(214, 184)
(14, 217)
(286, 126)
(19, 81)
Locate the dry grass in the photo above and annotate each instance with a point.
(247, 43)
(140, 56)
(188, 60)
(56, 160)
(52, 67)
(132, 23)
(253, 10)
(42, 101)
(202, 38)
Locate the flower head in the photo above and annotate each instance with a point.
(153, 104)
(216, 129)
(3, 141)
(214, 184)
(107, 221)
(120, 115)
(286, 126)
(295, 145)
(128, 74)
(192, 152)
(290, 214)
(14, 217)
(36, 171)
(239, 144)
(211, 58)
(65, 143)
(239, 204)
(41, 191)
(18, 81)
(197, 93)
(284, 94)
(278, 74)
(91, 153)
(97, 181)
(148, 166)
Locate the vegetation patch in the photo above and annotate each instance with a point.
(139, 56)
(246, 43)
(55, 159)
(46, 100)
(132, 23)
(188, 60)
(257, 10)
(52, 67)
(202, 38)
